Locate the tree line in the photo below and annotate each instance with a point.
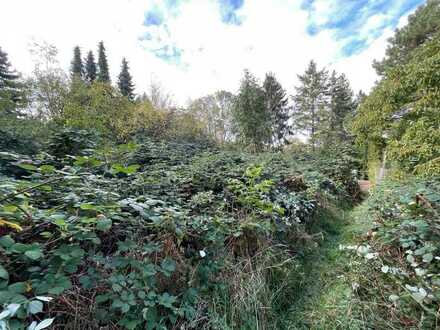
(259, 115)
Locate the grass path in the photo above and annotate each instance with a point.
(325, 298)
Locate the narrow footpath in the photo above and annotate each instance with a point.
(325, 297)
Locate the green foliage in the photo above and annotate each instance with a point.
(142, 236)
(23, 135)
(310, 113)
(11, 89)
(400, 254)
(90, 68)
(125, 84)
(76, 67)
(404, 106)
(253, 192)
(70, 141)
(103, 70)
(422, 26)
(277, 106)
(251, 115)
(101, 108)
(342, 108)
(48, 86)
(215, 114)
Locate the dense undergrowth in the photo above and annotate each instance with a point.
(399, 283)
(159, 235)
(384, 273)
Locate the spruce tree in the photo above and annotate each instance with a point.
(341, 106)
(76, 68)
(125, 83)
(276, 103)
(90, 69)
(11, 92)
(103, 71)
(311, 101)
(250, 113)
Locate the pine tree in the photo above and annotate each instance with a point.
(276, 103)
(250, 114)
(311, 100)
(125, 83)
(103, 71)
(76, 68)
(90, 69)
(341, 106)
(11, 92)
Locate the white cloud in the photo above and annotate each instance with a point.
(272, 37)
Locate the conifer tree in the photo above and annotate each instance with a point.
(76, 68)
(422, 26)
(341, 106)
(103, 70)
(311, 101)
(11, 92)
(250, 113)
(90, 69)
(276, 103)
(125, 83)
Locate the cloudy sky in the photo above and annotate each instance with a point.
(195, 47)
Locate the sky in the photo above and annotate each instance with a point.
(196, 47)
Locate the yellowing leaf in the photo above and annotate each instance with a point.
(28, 286)
(9, 224)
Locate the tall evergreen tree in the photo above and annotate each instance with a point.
(77, 68)
(276, 103)
(90, 69)
(341, 106)
(11, 92)
(125, 83)
(103, 70)
(250, 113)
(311, 101)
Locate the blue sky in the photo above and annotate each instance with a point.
(348, 18)
(349, 21)
(198, 46)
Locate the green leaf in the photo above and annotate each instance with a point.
(3, 273)
(10, 208)
(131, 169)
(28, 167)
(167, 300)
(168, 266)
(35, 307)
(102, 298)
(103, 224)
(34, 254)
(46, 169)
(87, 206)
(428, 257)
(18, 287)
(44, 324)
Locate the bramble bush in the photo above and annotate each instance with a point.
(142, 235)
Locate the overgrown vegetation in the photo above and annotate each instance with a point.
(125, 211)
(139, 235)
